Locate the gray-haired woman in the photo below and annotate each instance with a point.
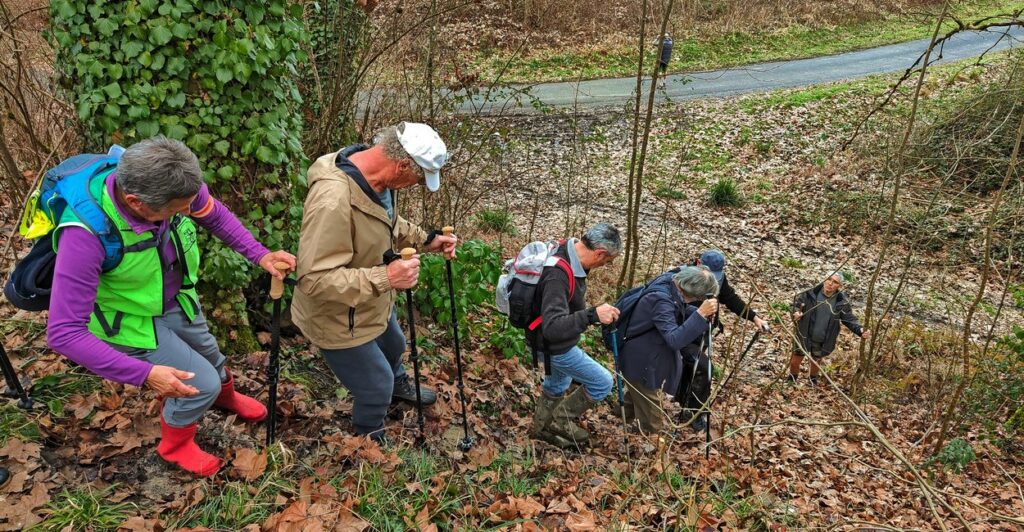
(664, 324)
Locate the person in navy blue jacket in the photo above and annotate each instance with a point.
(665, 323)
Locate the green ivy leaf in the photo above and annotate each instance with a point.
(160, 35)
(176, 131)
(113, 91)
(176, 101)
(111, 110)
(223, 75)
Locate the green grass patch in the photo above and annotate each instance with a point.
(732, 49)
(15, 424)
(496, 221)
(237, 504)
(669, 192)
(725, 193)
(792, 262)
(391, 501)
(55, 389)
(84, 509)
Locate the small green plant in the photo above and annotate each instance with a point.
(956, 455)
(474, 271)
(496, 221)
(84, 509)
(792, 262)
(725, 193)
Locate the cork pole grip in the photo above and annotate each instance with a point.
(408, 253)
(277, 285)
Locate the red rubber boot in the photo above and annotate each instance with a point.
(247, 408)
(178, 446)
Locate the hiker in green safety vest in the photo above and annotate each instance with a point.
(140, 323)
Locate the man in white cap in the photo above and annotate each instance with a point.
(348, 278)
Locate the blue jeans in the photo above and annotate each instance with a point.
(575, 364)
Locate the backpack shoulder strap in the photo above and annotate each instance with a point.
(564, 265)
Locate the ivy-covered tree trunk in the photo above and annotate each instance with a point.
(218, 75)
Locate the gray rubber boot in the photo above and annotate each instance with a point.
(566, 414)
(543, 416)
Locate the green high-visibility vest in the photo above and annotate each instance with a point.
(131, 294)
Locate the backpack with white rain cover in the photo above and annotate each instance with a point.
(516, 292)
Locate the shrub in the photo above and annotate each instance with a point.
(216, 75)
(956, 455)
(725, 193)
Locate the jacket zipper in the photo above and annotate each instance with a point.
(352, 321)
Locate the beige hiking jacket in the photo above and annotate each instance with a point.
(344, 298)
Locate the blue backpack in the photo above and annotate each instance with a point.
(65, 186)
(627, 304)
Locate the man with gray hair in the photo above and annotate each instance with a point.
(137, 321)
(563, 321)
(348, 274)
(817, 313)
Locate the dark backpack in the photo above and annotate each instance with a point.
(63, 186)
(627, 304)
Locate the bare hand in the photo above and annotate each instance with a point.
(607, 314)
(403, 274)
(865, 334)
(708, 308)
(445, 244)
(761, 324)
(267, 263)
(797, 315)
(166, 381)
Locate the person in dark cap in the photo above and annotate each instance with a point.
(714, 260)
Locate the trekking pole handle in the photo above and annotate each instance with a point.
(408, 253)
(447, 231)
(277, 285)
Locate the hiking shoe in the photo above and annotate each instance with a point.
(404, 391)
(791, 379)
(815, 381)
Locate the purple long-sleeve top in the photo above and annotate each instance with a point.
(76, 278)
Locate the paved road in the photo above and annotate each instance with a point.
(753, 78)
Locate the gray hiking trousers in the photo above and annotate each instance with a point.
(188, 347)
(369, 371)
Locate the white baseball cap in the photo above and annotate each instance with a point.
(425, 147)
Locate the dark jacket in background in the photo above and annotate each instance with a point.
(732, 301)
(563, 320)
(805, 302)
(661, 325)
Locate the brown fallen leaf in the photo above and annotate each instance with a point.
(249, 464)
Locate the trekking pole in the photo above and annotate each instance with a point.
(407, 254)
(618, 385)
(707, 425)
(14, 387)
(274, 369)
(467, 442)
